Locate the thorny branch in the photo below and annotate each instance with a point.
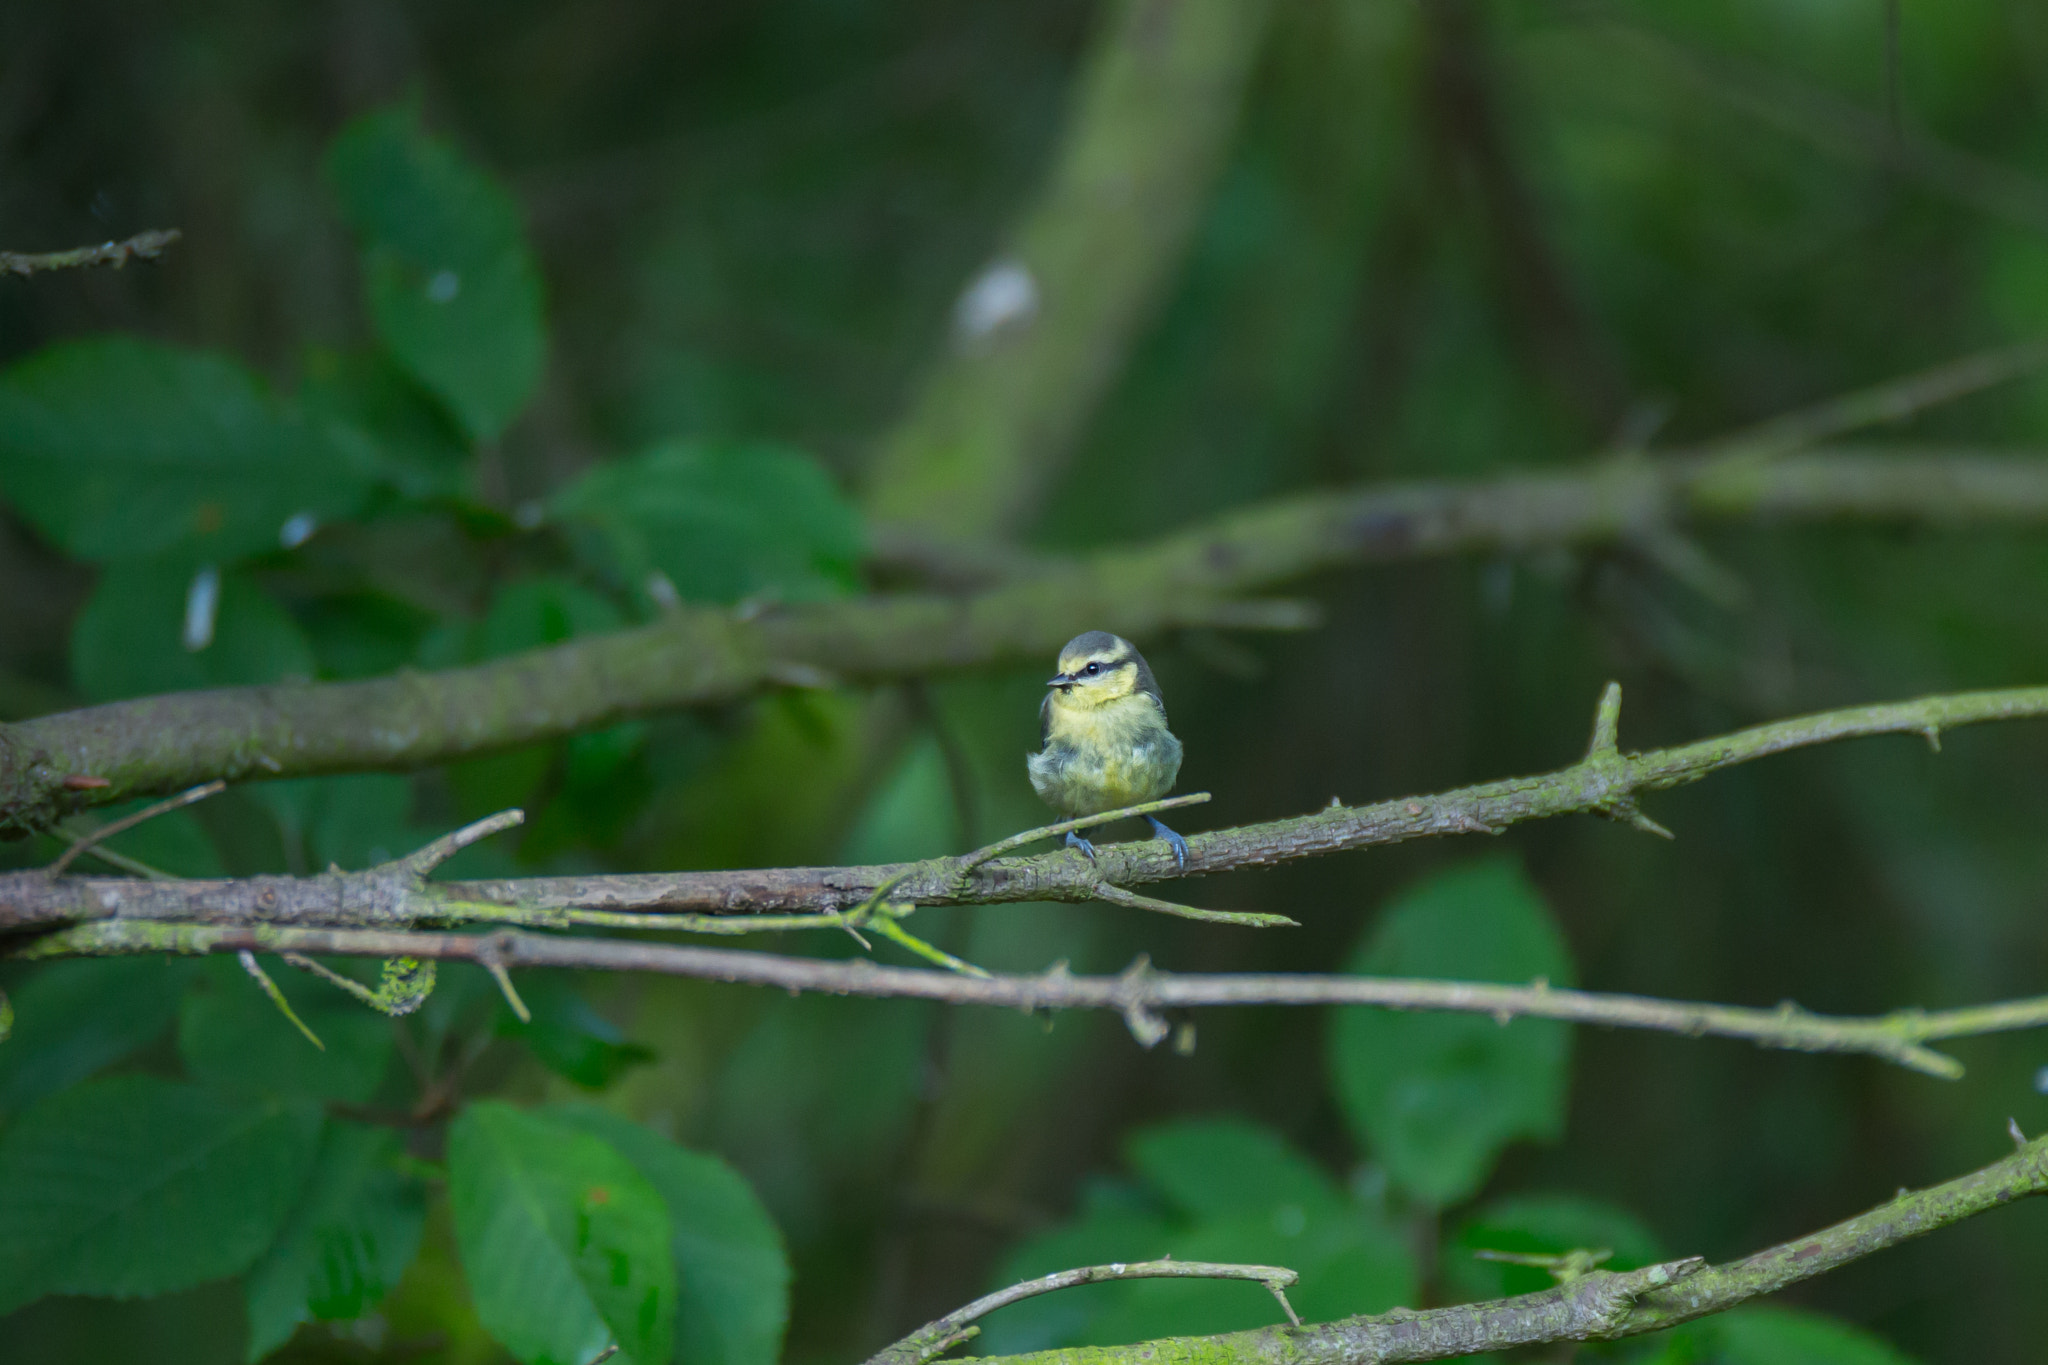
(1599, 1306)
(1606, 781)
(375, 912)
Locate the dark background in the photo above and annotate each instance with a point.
(1477, 238)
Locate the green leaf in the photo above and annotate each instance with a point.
(1545, 1225)
(355, 1230)
(72, 1018)
(129, 640)
(1221, 1168)
(568, 1036)
(1437, 1096)
(230, 1034)
(135, 1185)
(732, 1273)
(120, 449)
(393, 429)
(564, 1243)
(541, 611)
(454, 292)
(1786, 1336)
(721, 521)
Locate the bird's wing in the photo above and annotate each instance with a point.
(1148, 684)
(1045, 720)
(1151, 689)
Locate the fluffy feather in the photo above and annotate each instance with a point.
(1104, 738)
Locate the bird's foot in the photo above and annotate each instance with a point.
(1180, 845)
(1074, 840)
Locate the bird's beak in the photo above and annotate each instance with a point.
(1060, 680)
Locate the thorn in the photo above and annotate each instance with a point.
(504, 980)
(1184, 1039)
(1933, 734)
(1625, 811)
(1606, 726)
(2012, 1126)
(1145, 1026)
(1281, 1294)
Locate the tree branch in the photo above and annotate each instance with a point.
(1840, 127)
(143, 245)
(1040, 335)
(1605, 782)
(700, 656)
(1600, 1306)
(1139, 993)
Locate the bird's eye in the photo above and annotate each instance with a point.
(1092, 669)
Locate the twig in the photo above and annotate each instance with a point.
(133, 866)
(1842, 128)
(968, 862)
(143, 245)
(1898, 1037)
(1892, 401)
(942, 1334)
(425, 860)
(107, 831)
(1116, 895)
(1600, 1305)
(284, 1006)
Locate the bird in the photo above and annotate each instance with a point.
(1103, 737)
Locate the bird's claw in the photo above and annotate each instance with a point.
(1180, 845)
(1074, 840)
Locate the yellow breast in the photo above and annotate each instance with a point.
(1102, 757)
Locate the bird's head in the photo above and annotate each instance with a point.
(1098, 668)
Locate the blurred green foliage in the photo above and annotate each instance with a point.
(496, 326)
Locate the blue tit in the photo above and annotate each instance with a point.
(1103, 736)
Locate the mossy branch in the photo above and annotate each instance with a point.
(1599, 1306)
(58, 764)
